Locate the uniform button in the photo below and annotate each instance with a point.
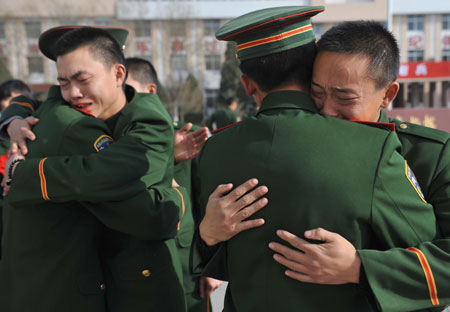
(102, 286)
(146, 273)
(403, 126)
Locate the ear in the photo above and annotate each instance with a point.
(390, 93)
(151, 88)
(248, 84)
(120, 73)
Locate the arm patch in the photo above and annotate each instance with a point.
(102, 142)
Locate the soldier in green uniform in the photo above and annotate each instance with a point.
(366, 67)
(224, 116)
(143, 77)
(341, 175)
(140, 273)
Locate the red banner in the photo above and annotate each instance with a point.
(420, 70)
(438, 118)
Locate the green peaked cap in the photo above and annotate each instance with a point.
(270, 30)
(48, 39)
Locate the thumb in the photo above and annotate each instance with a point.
(32, 120)
(320, 234)
(187, 127)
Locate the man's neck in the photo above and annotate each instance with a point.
(260, 95)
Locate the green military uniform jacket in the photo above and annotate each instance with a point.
(50, 250)
(184, 173)
(221, 118)
(420, 277)
(140, 275)
(321, 172)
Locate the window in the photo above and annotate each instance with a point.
(212, 62)
(35, 64)
(68, 21)
(415, 94)
(143, 29)
(210, 27)
(446, 55)
(415, 22)
(446, 21)
(211, 99)
(415, 55)
(103, 21)
(32, 29)
(178, 29)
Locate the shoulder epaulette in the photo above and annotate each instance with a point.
(421, 131)
(223, 128)
(383, 125)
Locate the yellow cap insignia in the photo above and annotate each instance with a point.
(102, 142)
(413, 180)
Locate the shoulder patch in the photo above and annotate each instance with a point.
(413, 180)
(422, 131)
(223, 128)
(102, 142)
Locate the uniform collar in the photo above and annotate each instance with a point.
(288, 99)
(383, 117)
(54, 92)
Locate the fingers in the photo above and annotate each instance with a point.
(246, 225)
(292, 239)
(292, 254)
(290, 264)
(242, 189)
(220, 191)
(250, 210)
(32, 120)
(14, 148)
(200, 135)
(321, 234)
(23, 147)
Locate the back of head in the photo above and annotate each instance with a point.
(14, 85)
(369, 39)
(273, 71)
(142, 71)
(276, 46)
(103, 46)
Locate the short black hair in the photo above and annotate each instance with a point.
(142, 71)
(230, 101)
(370, 39)
(282, 68)
(14, 85)
(103, 47)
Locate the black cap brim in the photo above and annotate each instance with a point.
(48, 39)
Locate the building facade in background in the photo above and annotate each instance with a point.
(178, 37)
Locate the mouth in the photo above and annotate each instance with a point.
(83, 107)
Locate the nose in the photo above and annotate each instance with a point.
(327, 108)
(75, 92)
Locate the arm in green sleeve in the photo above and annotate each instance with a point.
(402, 273)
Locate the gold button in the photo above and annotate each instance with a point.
(403, 126)
(102, 286)
(146, 273)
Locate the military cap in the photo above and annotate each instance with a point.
(48, 39)
(271, 30)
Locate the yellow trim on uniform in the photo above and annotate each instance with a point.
(428, 275)
(274, 38)
(99, 138)
(42, 178)
(183, 207)
(23, 104)
(419, 192)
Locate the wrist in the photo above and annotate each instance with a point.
(210, 241)
(12, 167)
(11, 124)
